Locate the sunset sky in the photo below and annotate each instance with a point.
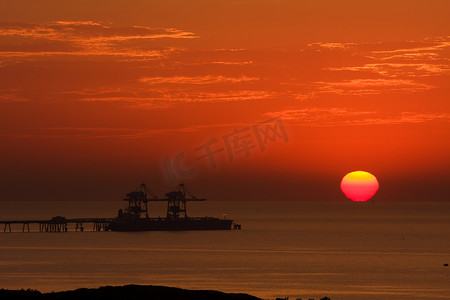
(288, 97)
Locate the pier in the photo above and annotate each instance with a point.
(60, 224)
(135, 217)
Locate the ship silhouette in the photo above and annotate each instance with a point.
(136, 217)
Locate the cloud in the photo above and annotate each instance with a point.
(364, 83)
(432, 46)
(397, 69)
(12, 96)
(206, 79)
(365, 86)
(176, 98)
(331, 46)
(333, 116)
(135, 72)
(360, 69)
(87, 32)
(411, 59)
(82, 39)
(237, 63)
(316, 117)
(358, 87)
(384, 67)
(113, 132)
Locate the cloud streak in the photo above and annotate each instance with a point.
(395, 69)
(371, 86)
(82, 39)
(334, 116)
(176, 98)
(206, 79)
(409, 59)
(87, 32)
(114, 132)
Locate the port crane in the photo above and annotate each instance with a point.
(176, 202)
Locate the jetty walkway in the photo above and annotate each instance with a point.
(60, 224)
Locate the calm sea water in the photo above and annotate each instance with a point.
(342, 250)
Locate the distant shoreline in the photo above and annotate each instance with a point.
(129, 292)
(148, 292)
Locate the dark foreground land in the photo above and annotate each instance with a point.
(128, 292)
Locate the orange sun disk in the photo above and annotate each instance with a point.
(359, 185)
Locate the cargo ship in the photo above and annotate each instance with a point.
(135, 217)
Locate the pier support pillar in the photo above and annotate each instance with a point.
(27, 225)
(79, 226)
(7, 225)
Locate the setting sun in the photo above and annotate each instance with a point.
(359, 185)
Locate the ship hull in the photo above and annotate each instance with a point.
(164, 224)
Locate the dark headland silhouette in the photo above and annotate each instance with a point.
(127, 292)
(130, 292)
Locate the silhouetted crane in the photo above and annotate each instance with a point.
(176, 201)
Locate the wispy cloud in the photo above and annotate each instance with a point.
(206, 79)
(172, 76)
(437, 44)
(334, 116)
(12, 96)
(376, 68)
(113, 132)
(331, 46)
(357, 87)
(82, 39)
(237, 63)
(176, 98)
(378, 85)
(87, 32)
(397, 69)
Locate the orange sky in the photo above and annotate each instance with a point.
(94, 97)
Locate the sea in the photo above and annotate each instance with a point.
(338, 249)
